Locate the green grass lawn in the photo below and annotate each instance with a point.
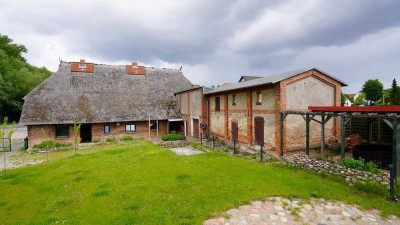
(141, 183)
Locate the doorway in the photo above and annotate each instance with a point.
(86, 133)
(195, 128)
(259, 130)
(235, 131)
(176, 126)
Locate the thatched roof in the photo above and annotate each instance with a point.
(108, 94)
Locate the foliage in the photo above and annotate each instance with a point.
(96, 140)
(126, 138)
(4, 127)
(372, 187)
(140, 183)
(360, 100)
(394, 95)
(173, 136)
(360, 164)
(77, 138)
(17, 77)
(210, 138)
(110, 139)
(385, 98)
(373, 90)
(48, 144)
(4, 133)
(343, 98)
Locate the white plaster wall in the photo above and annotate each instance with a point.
(221, 101)
(184, 103)
(299, 95)
(241, 101)
(195, 103)
(309, 92)
(268, 99)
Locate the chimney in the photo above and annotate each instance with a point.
(135, 69)
(82, 64)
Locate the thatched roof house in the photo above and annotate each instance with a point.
(108, 94)
(97, 93)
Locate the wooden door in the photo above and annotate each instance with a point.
(259, 130)
(235, 131)
(196, 128)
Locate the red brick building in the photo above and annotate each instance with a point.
(107, 100)
(248, 111)
(193, 109)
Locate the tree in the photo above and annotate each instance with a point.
(394, 95)
(77, 139)
(373, 90)
(17, 77)
(360, 100)
(343, 98)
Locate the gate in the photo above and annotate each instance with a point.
(5, 144)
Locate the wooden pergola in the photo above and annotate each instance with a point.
(389, 114)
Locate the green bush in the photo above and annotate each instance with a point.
(96, 140)
(360, 164)
(372, 187)
(110, 139)
(126, 138)
(216, 139)
(173, 137)
(51, 144)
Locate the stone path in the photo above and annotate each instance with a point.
(277, 210)
(186, 151)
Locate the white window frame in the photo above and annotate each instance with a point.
(130, 127)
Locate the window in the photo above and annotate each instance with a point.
(217, 108)
(130, 128)
(107, 129)
(259, 98)
(153, 125)
(234, 99)
(62, 130)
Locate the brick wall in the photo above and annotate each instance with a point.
(193, 106)
(275, 98)
(38, 133)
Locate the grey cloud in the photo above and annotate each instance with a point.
(217, 41)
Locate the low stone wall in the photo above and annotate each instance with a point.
(173, 144)
(351, 175)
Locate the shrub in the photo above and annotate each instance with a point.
(46, 144)
(110, 139)
(126, 138)
(173, 137)
(96, 140)
(360, 164)
(372, 188)
(216, 139)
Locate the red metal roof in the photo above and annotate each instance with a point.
(364, 109)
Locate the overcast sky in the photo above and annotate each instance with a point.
(214, 41)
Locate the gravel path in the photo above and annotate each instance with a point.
(277, 210)
(186, 151)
